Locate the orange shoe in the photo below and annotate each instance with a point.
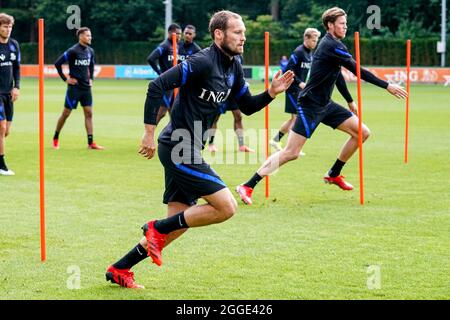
(244, 148)
(339, 181)
(123, 277)
(245, 193)
(94, 146)
(155, 242)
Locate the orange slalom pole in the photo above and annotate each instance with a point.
(174, 50)
(41, 138)
(360, 143)
(266, 82)
(408, 80)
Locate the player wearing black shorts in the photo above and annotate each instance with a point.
(315, 106)
(300, 63)
(230, 105)
(9, 83)
(161, 60)
(81, 61)
(205, 80)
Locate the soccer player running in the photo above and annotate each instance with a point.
(237, 124)
(187, 47)
(300, 63)
(205, 80)
(9, 83)
(81, 60)
(316, 106)
(161, 60)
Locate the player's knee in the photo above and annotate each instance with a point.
(3, 129)
(227, 210)
(291, 154)
(88, 114)
(365, 133)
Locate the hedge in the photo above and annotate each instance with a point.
(373, 51)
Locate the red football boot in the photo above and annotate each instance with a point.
(55, 144)
(155, 242)
(123, 277)
(95, 146)
(245, 193)
(339, 181)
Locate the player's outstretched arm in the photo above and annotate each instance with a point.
(397, 91)
(249, 104)
(281, 83)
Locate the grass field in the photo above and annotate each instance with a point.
(307, 241)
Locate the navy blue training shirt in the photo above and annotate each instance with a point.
(9, 66)
(81, 60)
(186, 49)
(161, 59)
(328, 58)
(299, 63)
(206, 80)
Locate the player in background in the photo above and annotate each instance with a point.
(300, 63)
(81, 60)
(315, 106)
(9, 83)
(161, 60)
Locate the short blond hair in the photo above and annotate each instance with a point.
(331, 15)
(6, 19)
(311, 32)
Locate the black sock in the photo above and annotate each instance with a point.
(253, 181)
(172, 223)
(336, 168)
(211, 140)
(56, 135)
(2, 163)
(240, 141)
(278, 137)
(90, 139)
(132, 258)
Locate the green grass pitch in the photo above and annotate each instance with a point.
(307, 241)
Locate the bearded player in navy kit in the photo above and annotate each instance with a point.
(315, 106)
(206, 79)
(81, 60)
(161, 60)
(9, 83)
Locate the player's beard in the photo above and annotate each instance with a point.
(226, 48)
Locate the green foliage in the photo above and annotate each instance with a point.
(256, 28)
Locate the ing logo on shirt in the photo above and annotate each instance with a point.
(82, 62)
(216, 97)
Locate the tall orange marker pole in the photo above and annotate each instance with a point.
(408, 67)
(174, 50)
(266, 82)
(360, 143)
(41, 137)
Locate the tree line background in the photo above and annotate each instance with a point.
(125, 32)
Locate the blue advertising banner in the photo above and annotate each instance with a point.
(135, 72)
